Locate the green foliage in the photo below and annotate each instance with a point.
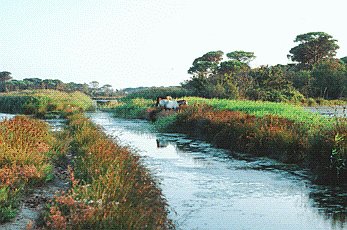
(241, 56)
(338, 155)
(129, 111)
(221, 86)
(232, 67)
(153, 93)
(272, 85)
(344, 59)
(260, 108)
(206, 64)
(330, 78)
(302, 81)
(313, 47)
(270, 77)
(167, 124)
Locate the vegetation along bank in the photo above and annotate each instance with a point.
(109, 187)
(264, 129)
(43, 103)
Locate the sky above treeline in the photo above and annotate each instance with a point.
(132, 43)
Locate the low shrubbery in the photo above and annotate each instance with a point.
(153, 93)
(26, 153)
(111, 189)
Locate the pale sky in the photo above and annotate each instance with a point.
(132, 43)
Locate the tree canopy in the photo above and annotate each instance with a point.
(231, 67)
(313, 47)
(330, 78)
(344, 59)
(206, 64)
(5, 76)
(241, 56)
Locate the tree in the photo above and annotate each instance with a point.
(270, 77)
(312, 48)
(5, 76)
(272, 85)
(330, 78)
(206, 64)
(107, 90)
(232, 67)
(241, 56)
(94, 87)
(344, 59)
(36, 83)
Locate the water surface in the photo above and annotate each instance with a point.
(209, 188)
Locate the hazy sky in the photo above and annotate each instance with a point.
(131, 43)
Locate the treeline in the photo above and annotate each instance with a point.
(7, 84)
(315, 73)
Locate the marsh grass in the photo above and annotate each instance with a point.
(43, 103)
(132, 108)
(110, 188)
(25, 160)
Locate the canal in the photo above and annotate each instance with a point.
(211, 188)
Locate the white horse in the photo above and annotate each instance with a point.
(167, 104)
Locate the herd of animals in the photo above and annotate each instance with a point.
(168, 103)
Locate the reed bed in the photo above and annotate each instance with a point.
(43, 102)
(110, 187)
(26, 151)
(260, 108)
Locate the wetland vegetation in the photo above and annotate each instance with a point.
(109, 187)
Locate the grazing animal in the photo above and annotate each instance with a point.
(162, 98)
(171, 105)
(167, 104)
(182, 102)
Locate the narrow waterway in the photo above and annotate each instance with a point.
(208, 188)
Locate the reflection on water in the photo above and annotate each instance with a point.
(210, 188)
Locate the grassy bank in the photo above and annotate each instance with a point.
(276, 130)
(130, 108)
(110, 188)
(26, 155)
(43, 103)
